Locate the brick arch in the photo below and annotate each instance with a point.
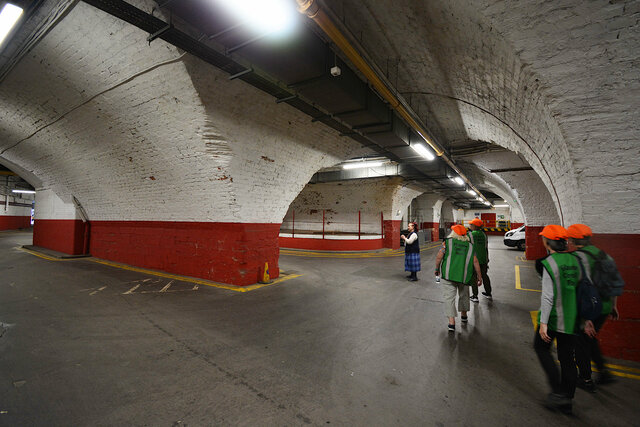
(137, 134)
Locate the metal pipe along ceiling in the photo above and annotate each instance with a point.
(312, 9)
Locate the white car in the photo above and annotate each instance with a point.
(515, 238)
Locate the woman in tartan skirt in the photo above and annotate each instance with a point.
(411, 252)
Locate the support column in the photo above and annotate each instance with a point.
(57, 225)
(535, 249)
(619, 339)
(233, 253)
(392, 233)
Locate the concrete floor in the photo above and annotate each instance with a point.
(350, 342)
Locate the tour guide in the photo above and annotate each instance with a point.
(456, 262)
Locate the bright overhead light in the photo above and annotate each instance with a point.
(24, 191)
(8, 18)
(423, 151)
(356, 165)
(473, 193)
(458, 180)
(268, 16)
(487, 203)
(500, 206)
(479, 198)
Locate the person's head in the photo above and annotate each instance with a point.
(412, 227)
(475, 224)
(554, 238)
(579, 235)
(458, 232)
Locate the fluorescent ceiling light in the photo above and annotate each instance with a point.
(267, 16)
(479, 198)
(473, 193)
(8, 18)
(458, 180)
(500, 206)
(356, 165)
(487, 203)
(423, 151)
(24, 191)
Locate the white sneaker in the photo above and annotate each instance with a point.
(474, 299)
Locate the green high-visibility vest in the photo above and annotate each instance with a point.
(564, 271)
(480, 244)
(457, 263)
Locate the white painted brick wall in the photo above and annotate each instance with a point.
(50, 206)
(563, 75)
(342, 200)
(427, 207)
(178, 142)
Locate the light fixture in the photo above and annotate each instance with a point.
(8, 17)
(479, 199)
(423, 151)
(267, 16)
(500, 206)
(487, 203)
(362, 164)
(24, 191)
(458, 180)
(473, 193)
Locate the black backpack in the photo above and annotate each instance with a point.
(605, 275)
(588, 297)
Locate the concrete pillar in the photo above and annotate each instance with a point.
(57, 225)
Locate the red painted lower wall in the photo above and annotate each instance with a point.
(14, 222)
(62, 235)
(515, 225)
(434, 227)
(621, 338)
(330, 244)
(232, 253)
(535, 249)
(391, 229)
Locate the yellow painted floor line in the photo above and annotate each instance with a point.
(384, 254)
(282, 278)
(625, 369)
(47, 257)
(519, 286)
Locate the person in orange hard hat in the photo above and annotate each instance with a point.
(558, 317)
(481, 246)
(587, 348)
(455, 263)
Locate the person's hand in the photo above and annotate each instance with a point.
(615, 314)
(479, 282)
(543, 333)
(403, 237)
(589, 329)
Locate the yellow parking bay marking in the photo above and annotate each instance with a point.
(383, 254)
(519, 286)
(612, 368)
(282, 278)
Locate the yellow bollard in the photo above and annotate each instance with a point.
(265, 274)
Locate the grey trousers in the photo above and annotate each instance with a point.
(449, 291)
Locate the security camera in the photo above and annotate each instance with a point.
(335, 71)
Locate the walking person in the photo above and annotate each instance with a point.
(587, 348)
(481, 245)
(411, 253)
(455, 263)
(558, 317)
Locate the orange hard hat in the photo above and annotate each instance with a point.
(460, 230)
(477, 221)
(579, 231)
(554, 232)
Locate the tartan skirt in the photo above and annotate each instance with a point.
(412, 262)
